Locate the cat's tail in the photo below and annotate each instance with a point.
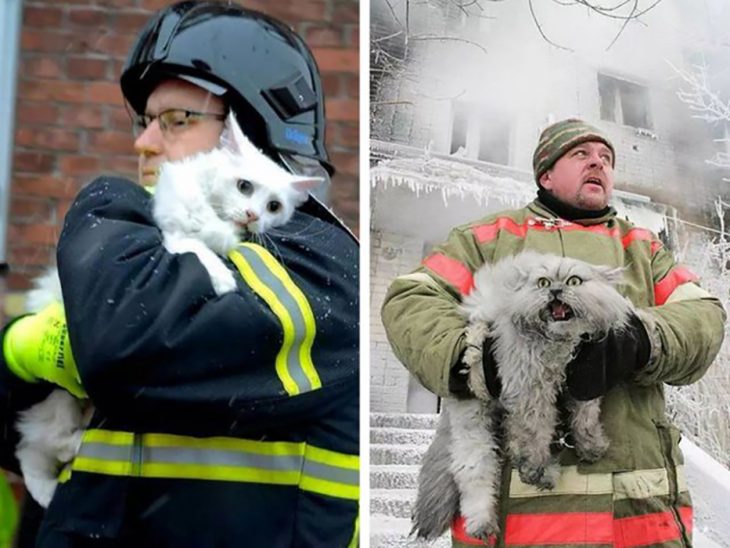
(437, 502)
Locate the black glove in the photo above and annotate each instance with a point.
(600, 365)
(458, 376)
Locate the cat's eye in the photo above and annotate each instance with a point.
(244, 186)
(273, 206)
(573, 280)
(542, 283)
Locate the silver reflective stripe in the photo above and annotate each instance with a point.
(331, 473)
(217, 457)
(106, 451)
(293, 363)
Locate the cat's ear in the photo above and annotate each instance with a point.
(234, 140)
(303, 184)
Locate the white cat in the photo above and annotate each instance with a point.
(205, 205)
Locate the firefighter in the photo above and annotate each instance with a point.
(219, 421)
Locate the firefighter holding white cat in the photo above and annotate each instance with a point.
(635, 495)
(220, 421)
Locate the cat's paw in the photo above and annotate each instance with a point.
(223, 282)
(592, 449)
(41, 489)
(482, 528)
(543, 476)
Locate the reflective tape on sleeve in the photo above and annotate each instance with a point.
(268, 278)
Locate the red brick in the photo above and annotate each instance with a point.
(348, 135)
(42, 16)
(33, 162)
(86, 116)
(47, 138)
(87, 68)
(105, 92)
(119, 119)
(352, 86)
(52, 41)
(346, 12)
(301, 10)
(36, 113)
(337, 59)
(332, 84)
(324, 37)
(345, 163)
(42, 67)
(20, 281)
(113, 142)
(78, 165)
(130, 22)
(53, 90)
(353, 32)
(125, 166)
(342, 109)
(62, 208)
(117, 45)
(30, 210)
(31, 255)
(42, 234)
(122, 3)
(87, 17)
(47, 186)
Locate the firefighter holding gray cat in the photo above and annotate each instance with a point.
(636, 494)
(220, 421)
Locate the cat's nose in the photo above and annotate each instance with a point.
(556, 293)
(251, 216)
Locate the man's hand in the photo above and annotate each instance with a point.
(36, 347)
(600, 365)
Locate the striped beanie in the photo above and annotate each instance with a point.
(559, 138)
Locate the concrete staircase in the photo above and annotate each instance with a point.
(397, 442)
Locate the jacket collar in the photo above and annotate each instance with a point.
(542, 211)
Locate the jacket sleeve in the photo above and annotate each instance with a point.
(147, 328)
(420, 311)
(686, 325)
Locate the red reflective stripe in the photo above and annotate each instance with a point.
(656, 245)
(562, 528)
(451, 270)
(651, 528)
(488, 232)
(677, 276)
(485, 233)
(637, 234)
(458, 531)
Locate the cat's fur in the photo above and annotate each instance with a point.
(202, 206)
(209, 202)
(461, 469)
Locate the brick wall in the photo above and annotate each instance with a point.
(391, 255)
(71, 124)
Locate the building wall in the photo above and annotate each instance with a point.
(71, 125)
(391, 255)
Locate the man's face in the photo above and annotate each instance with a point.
(155, 146)
(582, 177)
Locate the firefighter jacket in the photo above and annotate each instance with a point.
(221, 421)
(636, 492)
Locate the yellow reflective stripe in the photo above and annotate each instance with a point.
(570, 482)
(223, 443)
(65, 474)
(355, 540)
(271, 274)
(305, 350)
(157, 455)
(333, 458)
(687, 292)
(110, 437)
(329, 488)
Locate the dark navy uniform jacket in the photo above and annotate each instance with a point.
(220, 421)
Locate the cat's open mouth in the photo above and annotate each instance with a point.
(559, 311)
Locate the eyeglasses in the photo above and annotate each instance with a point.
(171, 121)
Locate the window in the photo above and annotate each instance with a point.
(10, 11)
(624, 102)
(480, 133)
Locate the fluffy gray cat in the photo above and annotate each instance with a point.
(535, 308)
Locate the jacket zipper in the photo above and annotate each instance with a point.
(666, 440)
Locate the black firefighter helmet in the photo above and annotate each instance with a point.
(270, 77)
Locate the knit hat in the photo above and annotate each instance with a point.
(559, 138)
